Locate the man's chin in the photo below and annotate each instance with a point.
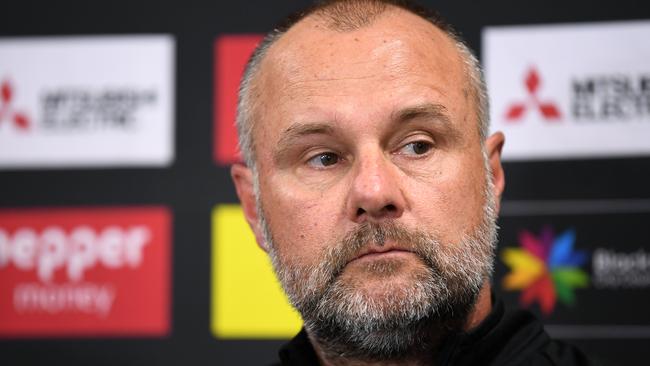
(383, 306)
(384, 280)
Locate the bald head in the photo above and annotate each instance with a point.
(305, 41)
(346, 16)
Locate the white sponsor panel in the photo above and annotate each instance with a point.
(86, 101)
(570, 91)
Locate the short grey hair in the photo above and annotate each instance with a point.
(348, 15)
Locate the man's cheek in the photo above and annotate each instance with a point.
(298, 230)
(459, 200)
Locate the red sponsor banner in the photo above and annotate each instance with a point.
(231, 53)
(85, 272)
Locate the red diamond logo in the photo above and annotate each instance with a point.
(17, 118)
(548, 110)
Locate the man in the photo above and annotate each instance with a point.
(372, 184)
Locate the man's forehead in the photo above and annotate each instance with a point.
(397, 60)
(312, 42)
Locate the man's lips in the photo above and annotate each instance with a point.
(380, 251)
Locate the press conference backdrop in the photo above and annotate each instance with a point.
(121, 241)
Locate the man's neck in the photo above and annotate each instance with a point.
(481, 309)
(416, 361)
(479, 312)
(422, 359)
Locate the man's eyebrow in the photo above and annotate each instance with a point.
(429, 111)
(296, 131)
(426, 110)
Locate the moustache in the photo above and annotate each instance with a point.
(367, 235)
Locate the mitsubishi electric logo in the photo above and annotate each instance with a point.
(547, 109)
(74, 109)
(620, 96)
(592, 102)
(114, 107)
(7, 112)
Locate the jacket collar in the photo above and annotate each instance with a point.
(491, 340)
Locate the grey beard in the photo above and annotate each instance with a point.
(401, 321)
(404, 321)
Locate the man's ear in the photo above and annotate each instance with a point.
(494, 145)
(242, 176)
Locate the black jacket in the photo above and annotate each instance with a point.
(501, 339)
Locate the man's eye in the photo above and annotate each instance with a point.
(324, 160)
(417, 148)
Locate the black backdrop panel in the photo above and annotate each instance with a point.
(612, 243)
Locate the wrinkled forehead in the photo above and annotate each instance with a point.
(397, 45)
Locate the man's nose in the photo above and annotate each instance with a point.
(375, 190)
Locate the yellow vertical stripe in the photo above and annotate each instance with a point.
(247, 301)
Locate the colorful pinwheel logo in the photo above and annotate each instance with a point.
(545, 268)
